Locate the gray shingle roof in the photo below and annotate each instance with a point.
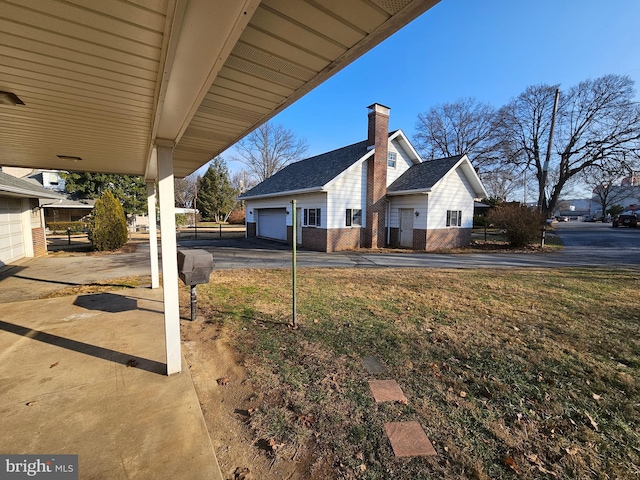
(425, 175)
(11, 184)
(313, 172)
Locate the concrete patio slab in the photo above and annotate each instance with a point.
(408, 439)
(387, 391)
(86, 375)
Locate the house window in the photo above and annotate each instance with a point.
(312, 217)
(391, 159)
(454, 218)
(353, 217)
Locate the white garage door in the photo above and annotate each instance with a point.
(11, 238)
(272, 223)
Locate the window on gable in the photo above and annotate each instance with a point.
(454, 218)
(353, 217)
(312, 217)
(391, 159)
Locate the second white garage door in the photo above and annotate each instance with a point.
(272, 223)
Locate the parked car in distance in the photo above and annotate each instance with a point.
(626, 220)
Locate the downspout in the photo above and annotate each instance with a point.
(388, 221)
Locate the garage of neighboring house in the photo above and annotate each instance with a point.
(21, 219)
(12, 244)
(272, 223)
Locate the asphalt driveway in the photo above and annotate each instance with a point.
(585, 245)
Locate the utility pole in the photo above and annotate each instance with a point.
(542, 200)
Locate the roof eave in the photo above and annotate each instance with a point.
(424, 191)
(283, 194)
(24, 193)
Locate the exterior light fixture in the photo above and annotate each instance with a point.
(10, 98)
(71, 158)
(250, 212)
(417, 213)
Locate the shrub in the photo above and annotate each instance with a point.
(480, 221)
(521, 225)
(182, 219)
(237, 216)
(108, 225)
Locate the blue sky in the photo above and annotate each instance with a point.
(487, 49)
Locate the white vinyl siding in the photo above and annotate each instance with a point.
(309, 200)
(403, 163)
(452, 193)
(416, 202)
(348, 191)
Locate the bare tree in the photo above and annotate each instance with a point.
(603, 184)
(268, 149)
(501, 182)
(596, 122)
(241, 182)
(465, 126)
(185, 190)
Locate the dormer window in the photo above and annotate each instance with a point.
(391, 159)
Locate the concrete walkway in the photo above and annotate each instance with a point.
(85, 375)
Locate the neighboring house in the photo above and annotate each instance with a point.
(65, 210)
(371, 194)
(21, 218)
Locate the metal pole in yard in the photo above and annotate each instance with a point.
(220, 230)
(194, 303)
(293, 260)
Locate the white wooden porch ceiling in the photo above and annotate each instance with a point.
(102, 79)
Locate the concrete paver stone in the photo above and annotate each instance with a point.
(374, 365)
(408, 439)
(387, 391)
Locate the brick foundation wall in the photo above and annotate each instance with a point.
(251, 229)
(314, 238)
(39, 241)
(420, 236)
(448, 238)
(343, 239)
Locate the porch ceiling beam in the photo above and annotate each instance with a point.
(196, 52)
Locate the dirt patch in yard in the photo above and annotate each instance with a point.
(229, 400)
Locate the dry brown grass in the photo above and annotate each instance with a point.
(535, 370)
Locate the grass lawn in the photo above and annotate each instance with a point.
(531, 373)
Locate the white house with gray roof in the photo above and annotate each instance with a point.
(21, 218)
(372, 194)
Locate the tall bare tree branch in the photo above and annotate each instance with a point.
(268, 149)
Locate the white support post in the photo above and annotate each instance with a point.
(169, 257)
(153, 233)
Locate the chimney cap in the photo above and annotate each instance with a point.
(378, 107)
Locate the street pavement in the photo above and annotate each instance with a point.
(586, 244)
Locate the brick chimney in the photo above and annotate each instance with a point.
(378, 139)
